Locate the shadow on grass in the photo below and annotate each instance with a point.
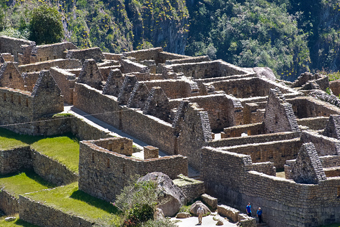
(30, 139)
(98, 203)
(32, 175)
(22, 223)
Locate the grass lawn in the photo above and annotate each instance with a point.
(22, 183)
(71, 200)
(331, 225)
(15, 223)
(63, 149)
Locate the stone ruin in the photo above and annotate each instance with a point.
(250, 137)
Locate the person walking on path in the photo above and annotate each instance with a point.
(259, 214)
(248, 209)
(200, 212)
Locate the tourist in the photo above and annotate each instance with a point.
(248, 209)
(200, 212)
(259, 214)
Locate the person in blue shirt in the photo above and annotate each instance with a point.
(259, 214)
(248, 209)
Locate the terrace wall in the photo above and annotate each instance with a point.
(51, 170)
(48, 216)
(8, 203)
(15, 160)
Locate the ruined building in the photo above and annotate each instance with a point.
(251, 138)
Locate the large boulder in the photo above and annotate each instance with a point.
(265, 72)
(196, 205)
(170, 196)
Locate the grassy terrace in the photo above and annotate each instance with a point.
(73, 201)
(23, 183)
(63, 149)
(15, 223)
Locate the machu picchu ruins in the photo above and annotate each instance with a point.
(234, 134)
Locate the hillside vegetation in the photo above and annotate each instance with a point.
(290, 36)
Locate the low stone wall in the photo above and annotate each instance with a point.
(65, 81)
(42, 215)
(51, 170)
(324, 145)
(15, 160)
(90, 53)
(191, 188)
(8, 203)
(61, 63)
(251, 129)
(233, 141)
(111, 56)
(314, 123)
(276, 151)
(330, 161)
(130, 66)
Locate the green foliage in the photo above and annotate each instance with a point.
(333, 76)
(138, 201)
(159, 223)
(46, 25)
(328, 91)
(249, 34)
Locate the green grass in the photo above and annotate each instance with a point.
(15, 223)
(63, 149)
(331, 225)
(23, 183)
(71, 200)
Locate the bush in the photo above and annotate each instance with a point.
(46, 25)
(138, 201)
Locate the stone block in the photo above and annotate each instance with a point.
(150, 152)
(229, 212)
(211, 201)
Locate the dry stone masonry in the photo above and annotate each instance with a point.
(247, 136)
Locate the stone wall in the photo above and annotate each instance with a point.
(283, 201)
(13, 45)
(146, 54)
(305, 107)
(8, 203)
(30, 79)
(103, 173)
(174, 88)
(234, 141)
(250, 129)
(61, 63)
(48, 216)
(65, 81)
(324, 145)
(222, 109)
(51, 170)
(208, 69)
(187, 60)
(130, 67)
(112, 56)
(15, 160)
(51, 51)
(83, 54)
(276, 151)
(131, 121)
(191, 188)
(15, 106)
(314, 123)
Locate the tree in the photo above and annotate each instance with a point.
(46, 25)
